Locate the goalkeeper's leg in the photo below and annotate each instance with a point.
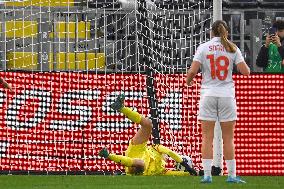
(136, 164)
(123, 160)
(144, 133)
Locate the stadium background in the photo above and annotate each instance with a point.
(68, 59)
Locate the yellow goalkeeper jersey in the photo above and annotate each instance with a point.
(154, 161)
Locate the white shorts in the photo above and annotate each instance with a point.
(213, 108)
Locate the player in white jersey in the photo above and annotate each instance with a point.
(216, 59)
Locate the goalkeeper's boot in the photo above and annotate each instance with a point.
(216, 171)
(235, 180)
(189, 169)
(206, 179)
(104, 153)
(119, 102)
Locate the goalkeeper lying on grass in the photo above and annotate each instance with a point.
(141, 159)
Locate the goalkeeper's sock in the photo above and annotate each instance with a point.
(231, 166)
(131, 114)
(207, 163)
(172, 154)
(124, 160)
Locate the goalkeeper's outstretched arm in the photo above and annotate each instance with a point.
(175, 156)
(164, 150)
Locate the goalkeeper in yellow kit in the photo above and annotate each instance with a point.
(139, 158)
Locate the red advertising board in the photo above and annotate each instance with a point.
(59, 121)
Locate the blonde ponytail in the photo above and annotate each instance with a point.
(229, 46)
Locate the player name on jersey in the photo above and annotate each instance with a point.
(216, 48)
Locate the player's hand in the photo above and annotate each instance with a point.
(276, 40)
(282, 62)
(191, 83)
(10, 88)
(267, 40)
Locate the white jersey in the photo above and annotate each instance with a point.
(217, 68)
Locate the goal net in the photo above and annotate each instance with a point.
(68, 60)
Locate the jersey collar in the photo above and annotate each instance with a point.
(215, 39)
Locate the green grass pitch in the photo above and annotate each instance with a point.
(128, 182)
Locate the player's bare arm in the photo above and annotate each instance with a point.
(192, 72)
(243, 68)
